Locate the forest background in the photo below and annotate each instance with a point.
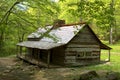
(19, 18)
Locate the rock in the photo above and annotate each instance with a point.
(95, 78)
(103, 78)
(7, 71)
(9, 67)
(84, 76)
(89, 76)
(112, 76)
(93, 73)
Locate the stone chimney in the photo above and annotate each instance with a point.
(58, 23)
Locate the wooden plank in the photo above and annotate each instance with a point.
(85, 36)
(20, 50)
(69, 54)
(82, 49)
(84, 43)
(70, 61)
(100, 55)
(85, 40)
(82, 46)
(109, 56)
(34, 62)
(86, 57)
(96, 53)
(48, 59)
(70, 57)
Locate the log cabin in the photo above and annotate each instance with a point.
(63, 44)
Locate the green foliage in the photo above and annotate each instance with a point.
(100, 13)
(20, 18)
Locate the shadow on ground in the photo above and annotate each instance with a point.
(11, 70)
(15, 69)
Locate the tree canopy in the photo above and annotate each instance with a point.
(18, 18)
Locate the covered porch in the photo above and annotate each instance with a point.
(34, 56)
(108, 50)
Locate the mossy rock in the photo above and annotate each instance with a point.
(89, 76)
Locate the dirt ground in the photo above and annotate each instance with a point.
(15, 69)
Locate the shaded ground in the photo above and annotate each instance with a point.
(15, 69)
(10, 69)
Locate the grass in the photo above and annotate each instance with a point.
(74, 72)
(114, 64)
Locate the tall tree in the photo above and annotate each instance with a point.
(98, 12)
(112, 21)
(21, 17)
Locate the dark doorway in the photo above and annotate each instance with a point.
(51, 55)
(42, 52)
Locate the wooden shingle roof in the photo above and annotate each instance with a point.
(57, 36)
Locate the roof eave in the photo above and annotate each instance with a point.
(103, 46)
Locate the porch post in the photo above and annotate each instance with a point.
(109, 56)
(48, 59)
(20, 50)
(17, 51)
(38, 56)
(100, 55)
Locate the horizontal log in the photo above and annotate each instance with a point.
(83, 43)
(70, 61)
(70, 57)
(85, 40)
(85, 35)
(69, 54)
(82, 46)
(87, 57)
(82, 49)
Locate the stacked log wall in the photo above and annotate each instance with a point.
(84, 42)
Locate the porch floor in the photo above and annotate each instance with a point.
(42, 64)
(37, 62)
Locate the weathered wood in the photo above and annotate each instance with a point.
(48, 59)
(96, 53)
(34, 62)
(82, 49)
(69, 54)
(58, 56)
(33, 39)
(38, 57)
(17, 50)
(85, 40)
(20, 50)
(70, 57)
(83, 46)
(70, 61)
(43, 55)
(86, 57)
(84, 43)
(109, 56)
(100, 56)
(85, 36)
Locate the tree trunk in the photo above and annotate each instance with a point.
(1, 39)
(112, 23)
(111, 36)
(3, 21)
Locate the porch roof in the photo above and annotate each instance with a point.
(40, 44)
